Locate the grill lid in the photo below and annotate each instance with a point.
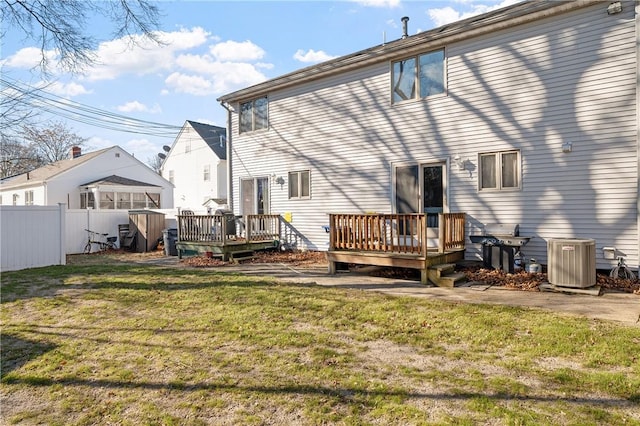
(502, 229)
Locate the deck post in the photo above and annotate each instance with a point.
(332, 268)
(424, 275)
(441, 232)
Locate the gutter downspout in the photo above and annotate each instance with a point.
(229, 157)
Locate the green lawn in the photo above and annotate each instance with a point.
(118, 343)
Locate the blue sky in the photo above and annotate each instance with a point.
(211, 48)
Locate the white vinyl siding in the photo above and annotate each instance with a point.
(531, 88)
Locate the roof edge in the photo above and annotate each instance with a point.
(460, 30)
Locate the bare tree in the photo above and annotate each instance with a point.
(62, 25)
(51, 143)
(15, 157)
(155, 163)
(34, 147)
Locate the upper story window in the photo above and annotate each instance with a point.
(499, 170)
(418, 77)
(207, 173)
(299, 184)
(187, 147)
(254, 115)
(15, 199)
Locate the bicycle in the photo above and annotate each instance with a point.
(102, 240)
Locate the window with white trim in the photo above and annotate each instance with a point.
(254, 115)
(418, 77)
(124, 200)
(138, 200)
(299, 184)
(28, 198)
(206, 173)
(107, 201)
(499, 170)
(87, 200)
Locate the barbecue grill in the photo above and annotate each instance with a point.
(500, 243)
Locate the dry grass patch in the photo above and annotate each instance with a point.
(113, 342)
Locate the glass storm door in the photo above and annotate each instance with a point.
(255, 196)
(432, 193)
(421, 189)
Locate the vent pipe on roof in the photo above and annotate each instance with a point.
(404, 20)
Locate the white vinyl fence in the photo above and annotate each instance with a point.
(32, 236)
(101, 221)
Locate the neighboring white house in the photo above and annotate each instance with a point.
(196, 164)
(110, 178)
(525, 115)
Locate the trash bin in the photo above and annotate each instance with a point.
(169, 237)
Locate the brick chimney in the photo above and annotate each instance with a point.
(76, 151)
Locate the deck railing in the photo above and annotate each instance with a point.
(262, 227)
(227, 228)
(394, 233)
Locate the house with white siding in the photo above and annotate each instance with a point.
(107, 179)
(525, 115)
(196, 164)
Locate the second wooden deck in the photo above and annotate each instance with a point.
(395, 240)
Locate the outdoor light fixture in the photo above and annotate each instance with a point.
(459, 162)
(614, 8)
(567, 147)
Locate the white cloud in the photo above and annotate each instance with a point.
(66, 90)
(30, 57)
(311, 56)
(212, 77)
(141, 149)
(191, 84)
(137, 106)
(378, 3)
(140, 56)
(95, 143)
(237, 51)
(446, 15)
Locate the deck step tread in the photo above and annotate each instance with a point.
(447, 280)
(444, 267)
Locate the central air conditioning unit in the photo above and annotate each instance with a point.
(571, 262)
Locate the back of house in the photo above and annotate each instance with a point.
(527, 115)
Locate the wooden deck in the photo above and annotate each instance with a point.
(226, 236)
(395, 240)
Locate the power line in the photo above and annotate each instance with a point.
(86, 114)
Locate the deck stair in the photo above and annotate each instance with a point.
(444, 275)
